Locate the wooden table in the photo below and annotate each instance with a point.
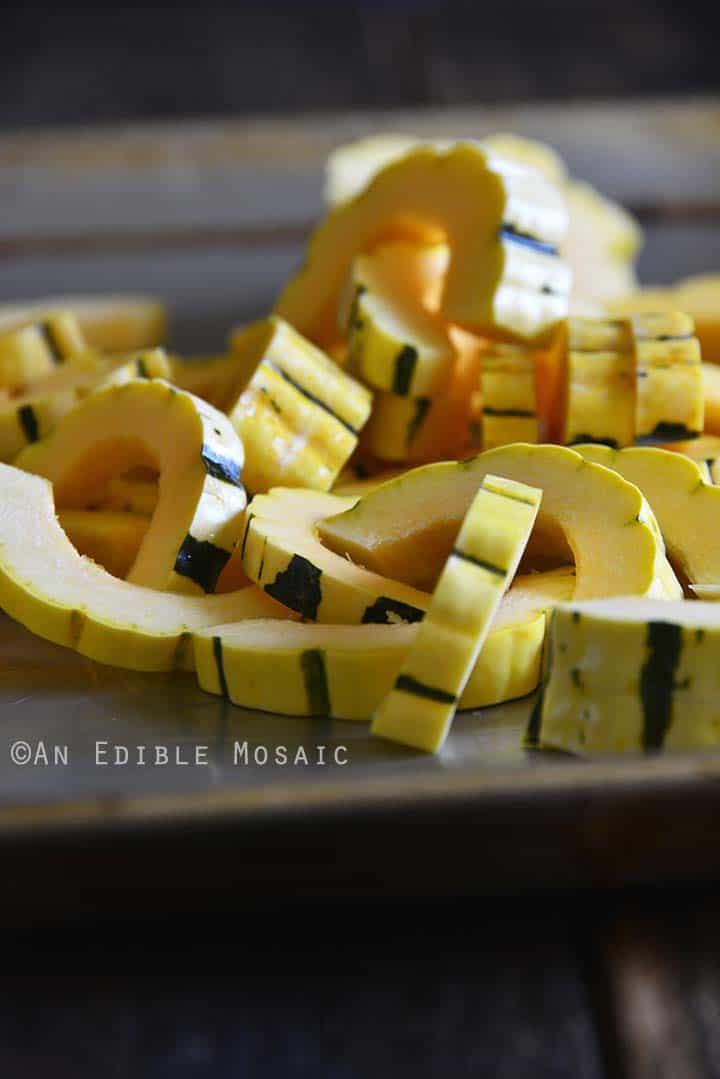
(581, 984)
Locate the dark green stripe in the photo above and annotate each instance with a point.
(670, 337)
(667, 432)
(579, 439)
(142, 369)
(517, 236)
(220, 467)
(520, 413)
(310, 397)
(496, 570)
(405, 364)
(422, 404)
(298, 587)
(710, 462)
(378, 613)
(262, 561)
(201, 561)
(29, 423)
(657, 681)
(312, 665)
(248, 522)
(407, 684)
(220, 667)
(56, 353)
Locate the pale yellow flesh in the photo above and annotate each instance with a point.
(420, 707)
(48, 587)
(685, 504)
(412, 520)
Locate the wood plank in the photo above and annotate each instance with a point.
(456, 989)
(268, 172)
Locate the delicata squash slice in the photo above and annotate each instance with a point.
(34, 349)
(111, 323)
(631, 675)
(406, 528)
(345, 671)
(199, 458)
(421, 705)
(48, 587)
(683, 499)
(299, 415)
(502, 222)
(32, 415)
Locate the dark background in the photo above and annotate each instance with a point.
(79, 63)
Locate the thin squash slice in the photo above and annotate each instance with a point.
(109, 323)
(30, 351)
(421, 705)
(502, 222)
(509, 407)
(599, 398)
(406, 527)
(631, 675)
(699, 297)
(669, 387)
(110, 538)
(683, 499)
(193, 447)
(394, 344)
(53, 591)
(299, 415)
(31, 416)
(345, 671)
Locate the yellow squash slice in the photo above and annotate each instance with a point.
(281, 553)
(669, 388)
(31, 351)
(111, 539)
(32, 416)
(599, 397)
(427, 429)
(421, 705)
(346, 671)
(48, 587)
(406, 528)
(300, 415)
(699, 297)
(199, 458)
(109, 323)
(631, 675)
(683, 499)
(502, 223)
(508, 396)
(394, 344)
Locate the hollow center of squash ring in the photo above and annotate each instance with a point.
(417, 557)
(86, 481)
